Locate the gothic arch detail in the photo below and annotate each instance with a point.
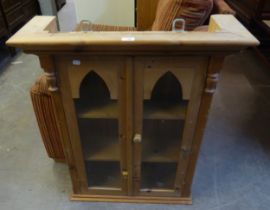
(109, 77)
(167, 88)
(184, 77)
(94, 87)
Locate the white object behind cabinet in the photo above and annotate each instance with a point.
(109, 12)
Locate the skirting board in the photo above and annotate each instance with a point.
(131, 199)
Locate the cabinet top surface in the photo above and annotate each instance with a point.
(40, 34)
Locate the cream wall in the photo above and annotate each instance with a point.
(111, 12)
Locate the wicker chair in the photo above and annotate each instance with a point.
(194, 12)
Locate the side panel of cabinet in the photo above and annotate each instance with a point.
(167, 93)
(192, 116)
(95, 103)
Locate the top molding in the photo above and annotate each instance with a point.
(225, 33)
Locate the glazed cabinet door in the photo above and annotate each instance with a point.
(167, 94)
(96, 89)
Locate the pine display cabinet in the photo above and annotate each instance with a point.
(132, 106)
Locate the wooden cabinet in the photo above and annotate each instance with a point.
(3, 28)
(251, 10)
(8, 5)
(12, 10)
(30, 9)
(254, 14)
(149, 122)
(131, 107)
(14, 17)
(14, 13)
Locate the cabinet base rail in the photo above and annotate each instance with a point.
(131, 199)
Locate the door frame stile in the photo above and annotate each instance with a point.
(138, 120)
(126, 124)
(129, 115)
(121, 125)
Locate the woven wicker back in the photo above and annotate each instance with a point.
(195, 12)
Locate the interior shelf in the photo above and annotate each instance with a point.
(102, 149)
(165, 110)
(155, 151)
(161, 140)
(100, 141)
(97, 110)
(103, 174)
(158, 176)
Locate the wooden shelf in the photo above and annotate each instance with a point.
(108, 149)
(100, 140)
(97, 110)
(158, 153)
(158, 176)
(103, 175)
(165, 110)
(161, 140)
(152, 110)
(102, 149)
(158, 150)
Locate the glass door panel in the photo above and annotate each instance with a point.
(161, 105)
(156, 175)
(163, 120)
(98, 122)
(101, 152)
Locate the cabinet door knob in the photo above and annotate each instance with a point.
(137, 138)
(125, 174)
